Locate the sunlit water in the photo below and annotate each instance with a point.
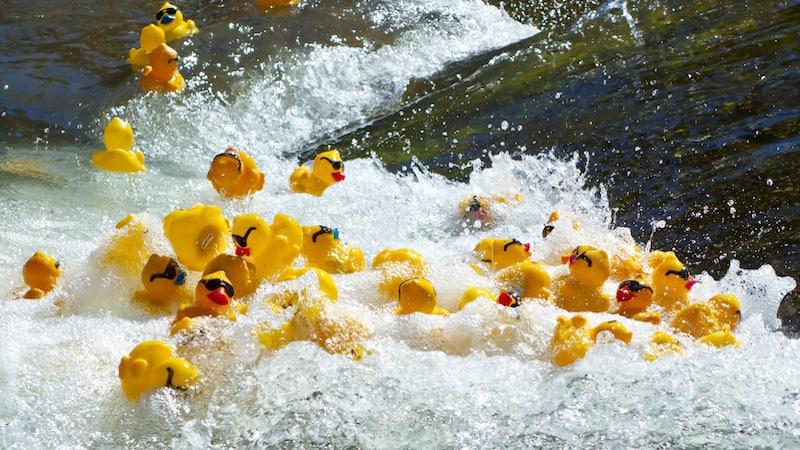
(478, 378)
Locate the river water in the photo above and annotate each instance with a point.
(673, 126)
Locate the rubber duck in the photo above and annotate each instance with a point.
(271, 247)
(327, 169)
(150, 366)
(118, 155)
(633, 299)
(480, 211)
(473, 293)
(269, 4)
(164, 283)
(170, 19)
(501, 253)
(40, 272)
(322, 248)
(150, 37)
(288, 297)
(720, 313)
(548, 226)
(670, 280)
(526, 279)
(572, 337)
(129, 249)
(417, 295)
(234, 173)
(662, 344)
(197, 234)
(212, 297)
(318, 320)
(240, 270)
(582, 288)
(398, 265)
(161, 74)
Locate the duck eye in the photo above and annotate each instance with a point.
(170, 11)
(335, 164)
(214, 284)
(683, 273)
(510, 243)
(170, 272)
(323, 230)
(241, 241)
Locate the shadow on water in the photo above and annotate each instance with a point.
(685, 113)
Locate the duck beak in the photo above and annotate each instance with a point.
(527, 247)
(625, 294)
(242, 251)
(690, 283)
(219, 297)
(338, 176)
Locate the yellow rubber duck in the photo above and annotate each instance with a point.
(170, 19)
(234, 173)
(582, 288)
(150, 366)
(327, 169)
(398, 265)
(572, 337)
(272, 248)
(118, 155)
(501, 253)
(212, 297)
(473, 293)
(150, 37)
(269, 4)
(720, 314)
(323, 322)
(164, 284)
(417, 295)
(161, 74)
(662, 344)
(40, 272)
(633, 299)
(527, 279)
(289, 297)
(322, 248)
(240, 270)
(197, 234)
(670, 280)
(129, 248)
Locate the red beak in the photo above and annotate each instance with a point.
(338, 176)
(242, 251)
(527, 247)
(219, 297)
(625, 294)
(505, 299)
(572, 259)
(690, 283)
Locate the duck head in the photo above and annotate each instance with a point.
(226, 167)
(162, 274)
(633, 297)
(501, 253)
(417, 295)
(214, 293)
(118, 135)
(588, 265)
(41, 272)
(251, 234)
(671, 276)
(197, 234)
(163, 63)
(328, 167)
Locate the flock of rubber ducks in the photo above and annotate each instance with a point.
(653, 289)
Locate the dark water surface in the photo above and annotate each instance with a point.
(687, 113)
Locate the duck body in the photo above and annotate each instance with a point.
(40, 272)
(197, 234)
(234, 174)
(326, 170)
(715, 318)
(118, 155)
(573, 337)
(271, 247)
(581, 289)
(170, 19)
(150, 366)
(161, 74)
(322, 248)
